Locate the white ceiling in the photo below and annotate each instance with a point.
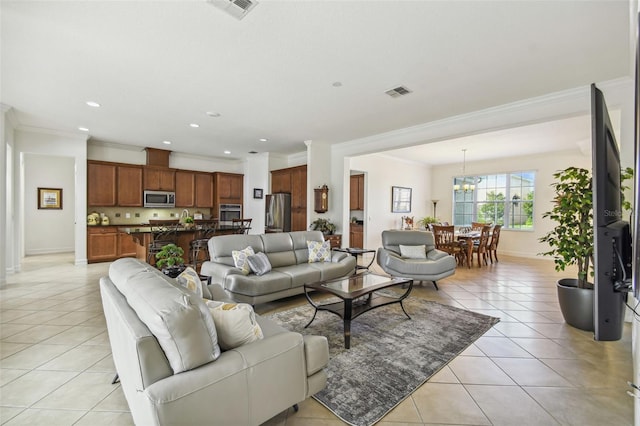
(157, 66)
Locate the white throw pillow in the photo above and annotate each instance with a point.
(240, 259)
(319, 251)
(414, 252)
(236, 324)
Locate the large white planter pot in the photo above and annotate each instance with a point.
(576, 304)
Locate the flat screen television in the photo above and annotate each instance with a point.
(612, 236)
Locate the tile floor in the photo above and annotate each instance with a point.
(530, 369)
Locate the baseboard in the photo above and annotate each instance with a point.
(36, 252)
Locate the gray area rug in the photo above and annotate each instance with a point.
(390, 356)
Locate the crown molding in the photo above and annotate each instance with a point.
(45, 131)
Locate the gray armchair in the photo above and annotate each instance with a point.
(435, 265)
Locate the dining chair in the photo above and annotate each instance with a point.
(241, 226)
(493, 244)
(445, 240)
(480, 248)
(163, 232)
(205, 229)
(477, 226)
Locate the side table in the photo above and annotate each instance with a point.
(358, 252)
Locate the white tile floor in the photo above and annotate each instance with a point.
(530, 369)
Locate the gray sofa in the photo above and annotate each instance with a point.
(289, 258)
(435, 266)
(171, 376)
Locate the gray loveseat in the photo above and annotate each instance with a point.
(289, 258)
(435, 265)
(172, 378)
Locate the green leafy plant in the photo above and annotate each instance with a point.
(323, 225)
(571, 240)
(188, 219)
(169, 256)
(425, 221)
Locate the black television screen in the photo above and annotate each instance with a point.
(612, 238)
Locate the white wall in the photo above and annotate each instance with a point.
(523, 243)
(48, 230)
(256, 176)
(55, 144)
(382, 173)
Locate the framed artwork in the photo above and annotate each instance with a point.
(50, 198)
(400, 199)
(257, 192)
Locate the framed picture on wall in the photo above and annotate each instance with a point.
(400, 199)
(257, 192)
(50, 198)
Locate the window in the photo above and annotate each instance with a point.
(506, 199)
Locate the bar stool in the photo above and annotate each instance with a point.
(241, 226)
(163, 232)
(205, 229)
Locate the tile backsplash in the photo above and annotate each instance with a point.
(139, 215)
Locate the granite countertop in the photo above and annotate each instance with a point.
(146, 229)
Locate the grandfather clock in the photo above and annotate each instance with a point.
(321, 199)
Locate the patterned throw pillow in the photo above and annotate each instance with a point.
(319, 251)
(259, 263)
(240, 259)
(236, 324)
(413, 252)
(190, 279)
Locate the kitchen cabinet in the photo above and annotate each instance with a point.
(203, 190)
(356, 237)
(106, 243)
(159, 179)
(185, 188)
(356, 192)
(101, 184)
(129, 186)
(293, 180)
(228, 188)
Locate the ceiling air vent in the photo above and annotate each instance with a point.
(398, 91)
(236, 8)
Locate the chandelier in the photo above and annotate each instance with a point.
(466, 186)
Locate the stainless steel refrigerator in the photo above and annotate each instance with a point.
(278, 213)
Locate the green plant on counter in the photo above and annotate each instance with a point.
(323, 225)
(425, 221)
(188, 219)
(170, 256)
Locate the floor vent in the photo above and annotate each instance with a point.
(236, 8)
(398, 91)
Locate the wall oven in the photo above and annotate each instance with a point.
(159, 199)
(228, 212)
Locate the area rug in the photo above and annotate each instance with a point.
(390, 356)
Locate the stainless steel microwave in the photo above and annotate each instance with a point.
(159, 199)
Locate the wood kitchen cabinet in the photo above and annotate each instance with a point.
(228, 187)
(159, 179)
(204, 190)
(335, 240)
(356, 193)
(101, 184)
(293, 180)
(106, 243)
(356, 237)
(185, 188)
(129, 186)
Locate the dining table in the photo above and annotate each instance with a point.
(468, 238)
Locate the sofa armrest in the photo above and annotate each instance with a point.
(337, 256)
(218, 271)
(436, 254)
(218, 293)
(316, 353)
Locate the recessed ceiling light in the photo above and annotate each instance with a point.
(93, 104)
(194, 125)
(166, 142)
(227, 152)
(263, 139)
(83, 129)
(337, 84)
(213, 114)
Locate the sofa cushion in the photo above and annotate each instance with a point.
(259, 263)
(190, 280)
(179, 319)
(257, 285)
(413, 252)
(319, 251)
(240, 259)
(235, 323)
(301, 274)
(279, 248)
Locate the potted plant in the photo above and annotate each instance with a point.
(571, 242)
(428, 220)
(188, 222)
(323, 225)
(170, 260)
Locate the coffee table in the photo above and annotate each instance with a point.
(358, 296)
